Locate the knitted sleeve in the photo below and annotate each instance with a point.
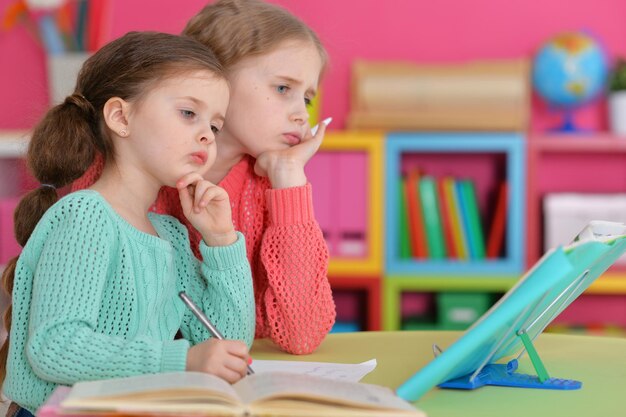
(68, 287)
(298, 300)
(221, 285)
(168, 202)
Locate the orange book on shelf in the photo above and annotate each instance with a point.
(416, 220)
(495, 240)
(446, 220)
(456, 221)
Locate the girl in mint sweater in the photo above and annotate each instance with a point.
(95, 290)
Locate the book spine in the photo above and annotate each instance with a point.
(454, 217)
(320, 172)
(432, 218)
(472, 216)
(463, 245)
(446, 220)
(495, 240)
(351, 219)
(403, 222)
(416, 221)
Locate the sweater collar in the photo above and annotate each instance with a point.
(235, 178)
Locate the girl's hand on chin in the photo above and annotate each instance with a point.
(207, 207)
(285, 168)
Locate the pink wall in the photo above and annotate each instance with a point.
(421, 31)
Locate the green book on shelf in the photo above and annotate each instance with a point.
(471, 215)
(403, 223)
(432, 217)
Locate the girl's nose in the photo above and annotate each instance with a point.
(206, 136)
(300, 116)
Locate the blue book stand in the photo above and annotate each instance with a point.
(510, 326)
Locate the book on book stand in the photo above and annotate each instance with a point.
(508, 329)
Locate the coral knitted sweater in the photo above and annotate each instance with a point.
(286, 250)
(96, 298)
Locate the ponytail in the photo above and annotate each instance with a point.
(61, 149)
(7, 287)
(64, 144)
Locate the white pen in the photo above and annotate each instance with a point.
(325, 121)
(204, 320)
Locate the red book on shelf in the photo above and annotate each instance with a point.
(414, 212)
(446, 220)
(98, 24)
(495, 240)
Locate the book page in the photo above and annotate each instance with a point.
(185, 384)
(339, 371)
(259, 388)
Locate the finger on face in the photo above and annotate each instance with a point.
(210, 194)
(307, 148)
(188, 179)
(201, 188)
(321, 126)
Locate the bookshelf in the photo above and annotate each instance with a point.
(488, 160)
(593, 162)
(347, 177)
(363, 167)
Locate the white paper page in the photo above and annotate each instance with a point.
(352, 372)
(291, 386)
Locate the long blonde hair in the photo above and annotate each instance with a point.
(237, 29)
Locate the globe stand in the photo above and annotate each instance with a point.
(568, 125)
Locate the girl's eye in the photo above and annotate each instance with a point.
(187, 114)
(215, 129)
(282, 89)
(307, 101)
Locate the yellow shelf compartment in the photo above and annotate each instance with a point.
(372, 143)
(610, 283)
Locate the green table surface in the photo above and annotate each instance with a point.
(598, 362)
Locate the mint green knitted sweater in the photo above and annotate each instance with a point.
(96, 298)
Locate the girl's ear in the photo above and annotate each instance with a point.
(115, 112)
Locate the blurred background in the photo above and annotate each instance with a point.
(422, 94)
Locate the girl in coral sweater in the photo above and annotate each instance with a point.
(274, 63)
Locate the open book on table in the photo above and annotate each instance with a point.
(276, 394)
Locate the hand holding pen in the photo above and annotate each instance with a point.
(231, 349)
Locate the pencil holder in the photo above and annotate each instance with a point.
(62, 72)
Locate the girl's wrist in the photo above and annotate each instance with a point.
(287, 174)
(220, 239)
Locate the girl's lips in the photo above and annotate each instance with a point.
(292, 138)
(199, 157)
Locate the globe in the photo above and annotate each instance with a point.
(569, 71)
